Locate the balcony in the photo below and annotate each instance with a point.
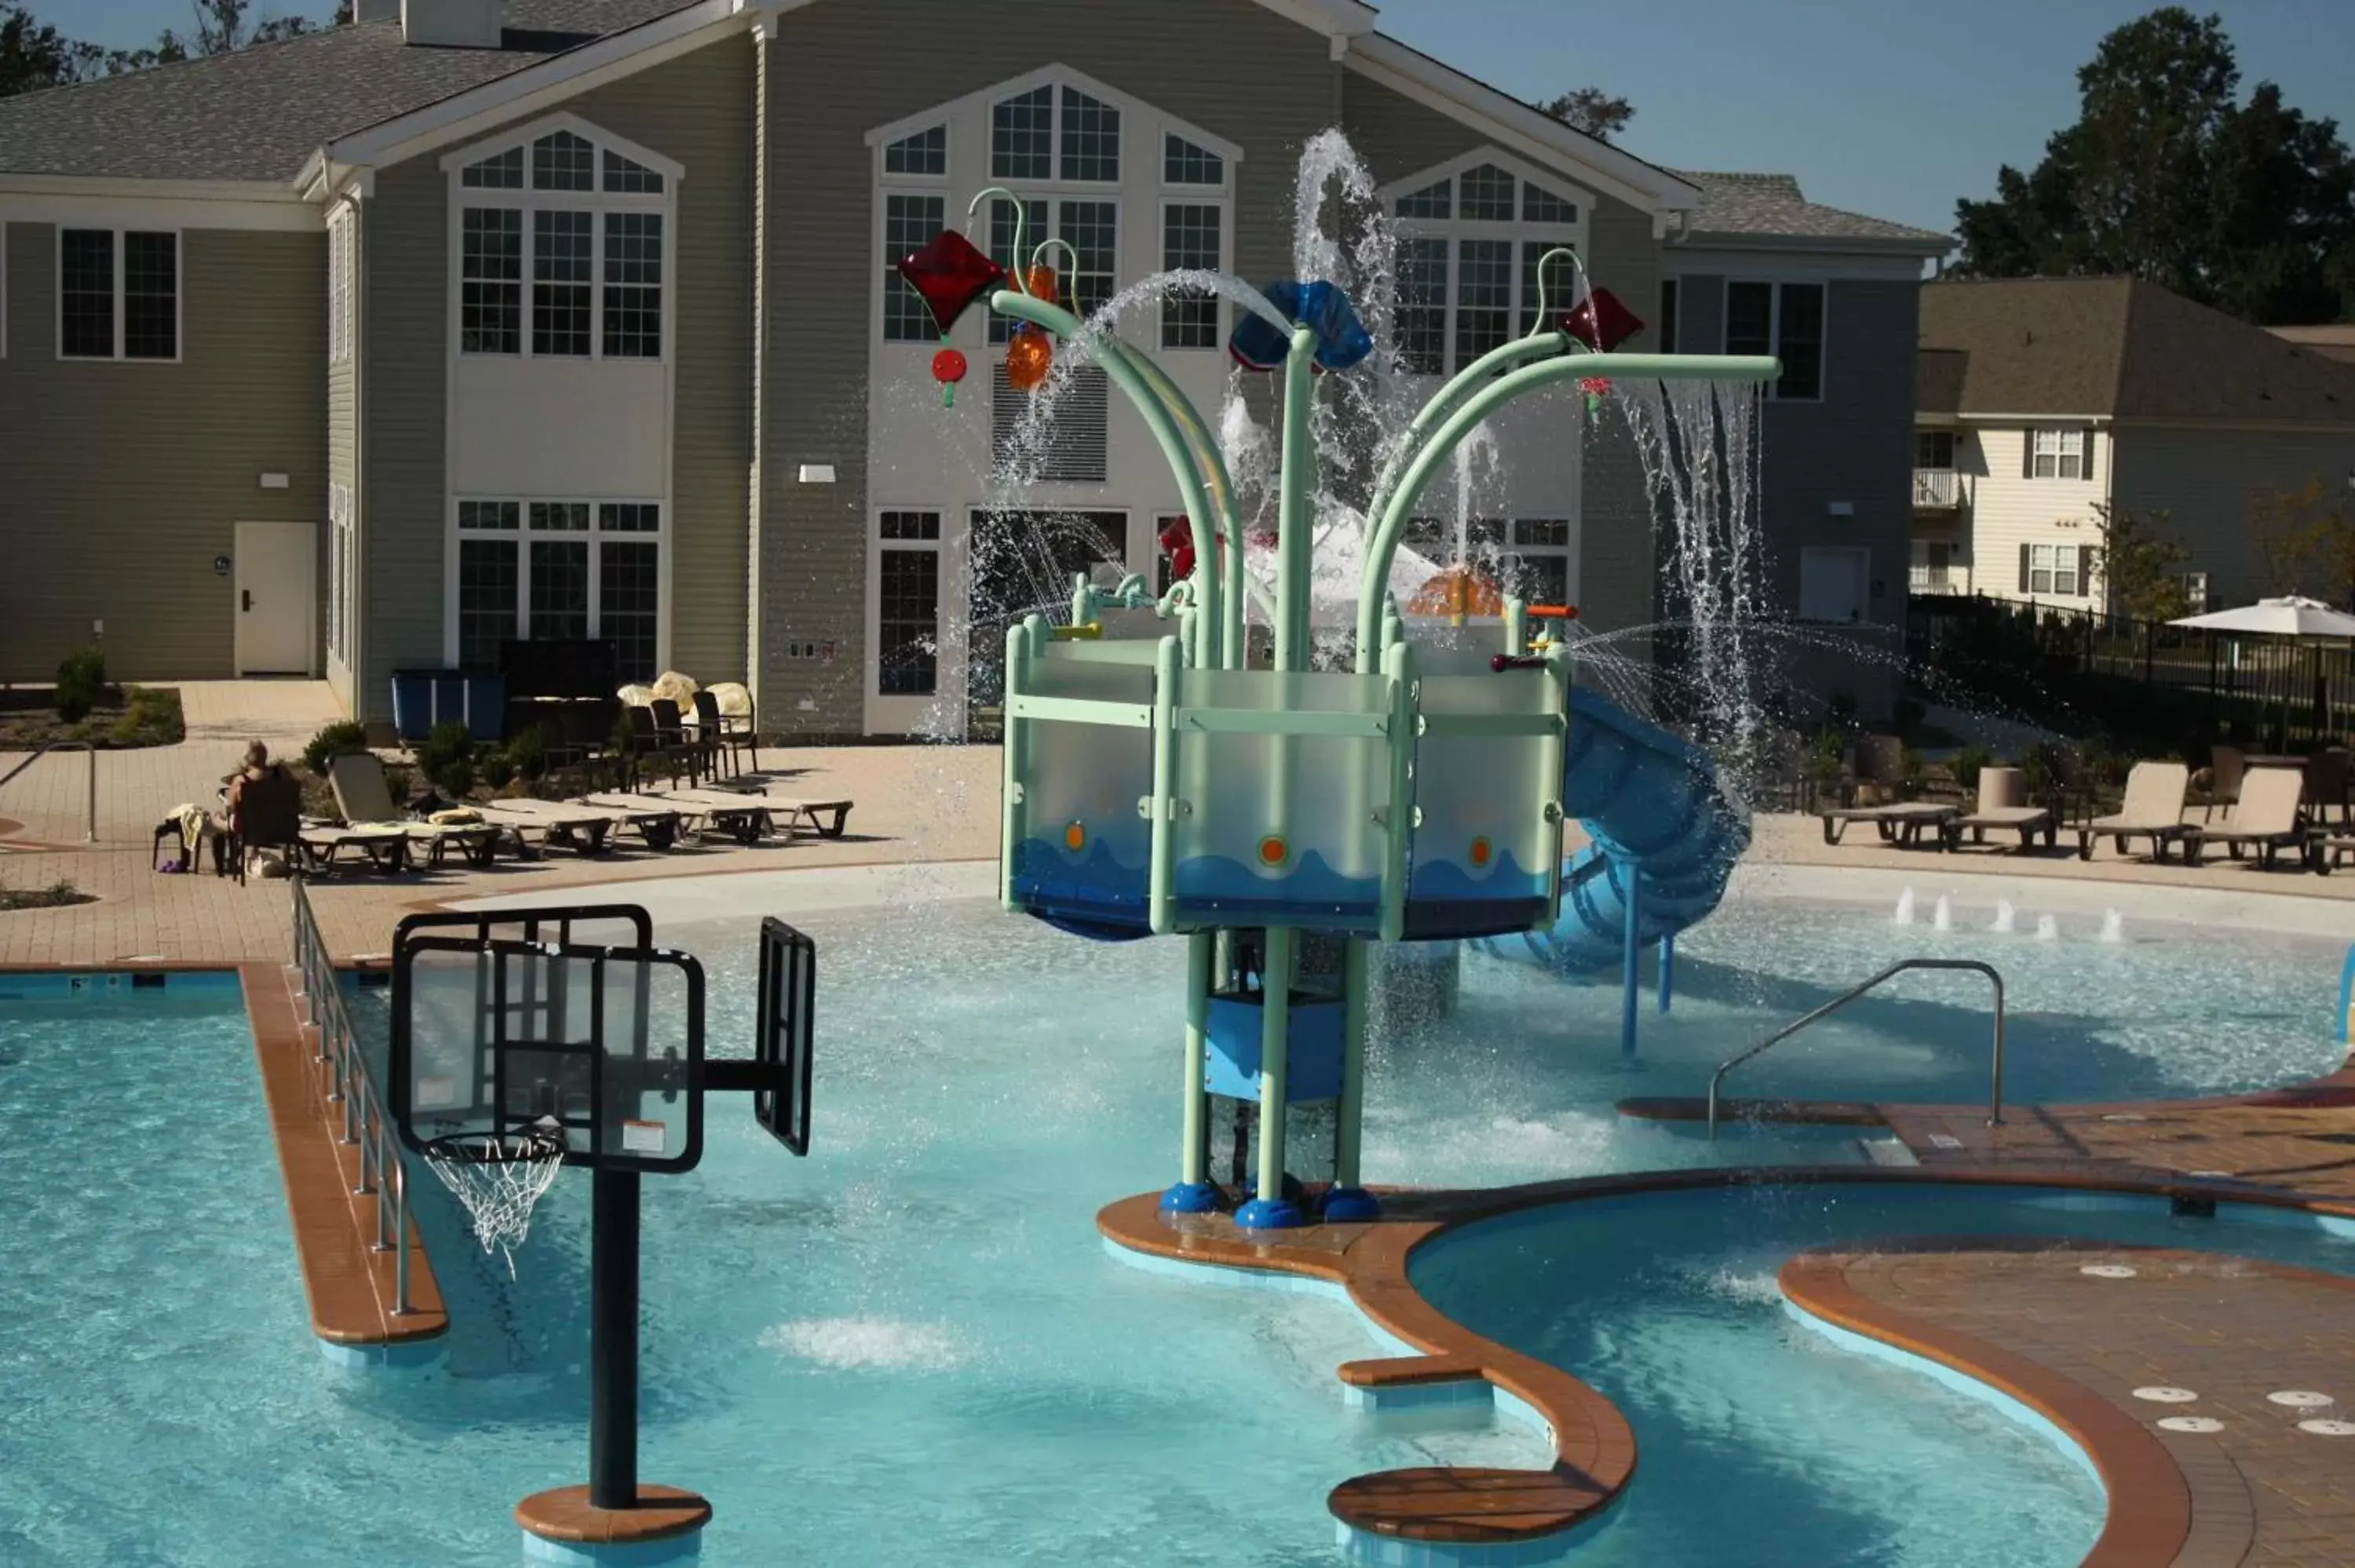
(1937, 491)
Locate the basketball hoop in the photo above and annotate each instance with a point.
(497, 1177)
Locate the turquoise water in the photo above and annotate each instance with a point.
(1809, 1455)
(909, 1348)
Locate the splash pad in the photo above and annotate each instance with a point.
(1285, 807)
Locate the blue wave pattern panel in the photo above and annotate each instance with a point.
(1653, 804)
(1306, 891)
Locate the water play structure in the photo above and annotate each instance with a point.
(1286, 801)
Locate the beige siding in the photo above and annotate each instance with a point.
(2007, 511)
(697, 110)
(124, 480)
(836, 71)
(343, 468)
(2204, 479)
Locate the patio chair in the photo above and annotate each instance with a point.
(582, 829)
(2227, 767)
(655, 823)
(743, 818)
(727, 736)
(269, 816)
(674, 731)
(2330, 785)
(648, 751)
(2153, 810)
(364, 798)
(1999, 807)
(2267, 820)
(800, 811)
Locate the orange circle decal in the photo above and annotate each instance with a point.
(1271, 851)
(1480, 851)
(1075, 837)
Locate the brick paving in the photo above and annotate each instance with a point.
(2230, 1331)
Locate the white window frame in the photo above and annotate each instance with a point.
(1455, 228)
(935, 183)
(179, 293)
(2046, 560)
(1194, 196)
(947, 677)
(1774, 287)
(1515, 552)
(521, 536)
(600, 203)
(342, 273)
(1061, 83)
(1225, 183)
(2067, 444)
(343, 575)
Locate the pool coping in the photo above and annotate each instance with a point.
(348, 1283)
(1439, 1507)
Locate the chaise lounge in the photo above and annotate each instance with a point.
(2152, 809)
(2267, 818)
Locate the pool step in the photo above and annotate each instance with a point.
(1885, 1152)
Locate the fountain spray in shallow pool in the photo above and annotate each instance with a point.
(2006, 917)
(2114, 926)
(2048, 929)
(1904, 915)
(1942, 918)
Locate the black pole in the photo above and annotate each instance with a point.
(614, 1341)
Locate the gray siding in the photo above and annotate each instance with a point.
(2205, 481)
(837, 71)
(698, 109)
(124, 480)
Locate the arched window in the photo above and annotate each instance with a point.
(1470, 235)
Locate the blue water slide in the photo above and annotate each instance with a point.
(1656, 813)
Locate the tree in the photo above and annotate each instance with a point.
(2292, 532)
(222, 28)
(1592, 110)
(2167, 177)
(2140, 567)
(35, 55)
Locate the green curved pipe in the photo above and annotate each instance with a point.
(1382, 549)
(1120, 363)
(1220, 487)
(1466, 381)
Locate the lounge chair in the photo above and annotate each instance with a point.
(385, 845)
(798, 810)
(655, 823)
(1899, 824)
(2153, 810)
(364, 798)
(742, 817)
(2267, 819)
(579, 829)
(2227, 767)
(1998, 808)
(269, 815)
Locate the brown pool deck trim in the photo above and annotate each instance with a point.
(2020, 1316)
(1594, 1446)
(348, 1283)
(566, 1514)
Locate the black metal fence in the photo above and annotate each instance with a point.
(2073, 667)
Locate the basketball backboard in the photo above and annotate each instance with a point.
(781, 1046)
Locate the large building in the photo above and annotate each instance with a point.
(374, 348)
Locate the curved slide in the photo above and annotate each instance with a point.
(1653, 806)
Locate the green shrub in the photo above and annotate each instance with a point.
(529, 753)
(1967, 764)
(498, 769)
(397, 783)
(81, 682)
(338, 739)
(1911, 774)
(445, 750)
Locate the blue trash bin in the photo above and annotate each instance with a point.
(413, 703)
(486, 705)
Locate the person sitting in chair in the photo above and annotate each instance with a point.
(261, 806)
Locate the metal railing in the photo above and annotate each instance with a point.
(1995, 1086)
(90, 831)
(339, 1071)
(1937, 487)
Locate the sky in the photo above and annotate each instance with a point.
(1895, 108)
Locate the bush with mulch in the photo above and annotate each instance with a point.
(57, 896)
(121, 718)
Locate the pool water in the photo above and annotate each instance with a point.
(909, 1347)
(1810, 1455)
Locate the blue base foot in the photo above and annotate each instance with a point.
(1345, 1204)
(1189, 1198)
(1268, 1214)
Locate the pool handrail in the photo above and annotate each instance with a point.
(90, 827)
(351, 1087)
(1994, 1086)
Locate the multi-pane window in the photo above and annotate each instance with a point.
(1184, 164)
(550, 569)
(1090, 138)
(1471, 260)
(1537, 568)
(908, 611)
(1006, 235)
(342, 574)
(1934, 448)
(1092, 230)
(908, 222)
(2057, 454)
(342, 297)
(1190, 240)
(118, 294)
(563, 263)
(1785, 320)
(490, 281)
(576, 258)
(925, 153)
(1022, 136)
(634, 275)
(2052, 569)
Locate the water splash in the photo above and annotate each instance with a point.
(2006, 917)
(2048, 929)
(2114, 926)
(1942, 918)
(1904, 915)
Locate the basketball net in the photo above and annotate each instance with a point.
(498, 1177)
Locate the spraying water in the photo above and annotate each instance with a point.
(1942, 918)
(2005, 916)
(2048, 929)
(2114, 926)
(1904, 915)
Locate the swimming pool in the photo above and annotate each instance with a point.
(909, 1348)
(1809, 1455)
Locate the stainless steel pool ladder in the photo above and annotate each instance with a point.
(1995, 1086)
(90, 828)
(350, 1088)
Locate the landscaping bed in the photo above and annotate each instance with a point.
(57, 896)
(121, 718)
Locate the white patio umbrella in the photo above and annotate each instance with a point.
(2288, 617)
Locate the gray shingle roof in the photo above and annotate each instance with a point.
(1771, 207)
(2118, 346)
(259, 113)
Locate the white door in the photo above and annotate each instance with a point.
(277, 595)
